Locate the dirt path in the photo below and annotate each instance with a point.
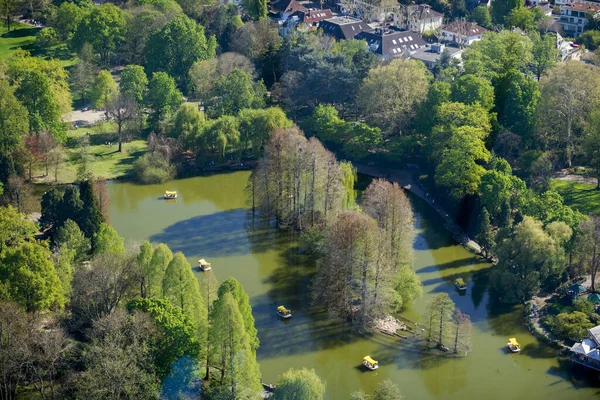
(565, 175)
(404, 177)
(85, 118)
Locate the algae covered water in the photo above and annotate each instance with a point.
(211, 219)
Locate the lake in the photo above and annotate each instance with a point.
(211, 220)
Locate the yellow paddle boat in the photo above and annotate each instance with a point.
(370, 363)
(460, 285)
(284, 312)
(513, 346)
(170, 194)
(204, 265)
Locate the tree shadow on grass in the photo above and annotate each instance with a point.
(19, 33)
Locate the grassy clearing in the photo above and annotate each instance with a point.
(21, 36)
(106, 161)
(581, 196)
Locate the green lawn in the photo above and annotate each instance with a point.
(21, 35)
(107, 162)
(581, 196)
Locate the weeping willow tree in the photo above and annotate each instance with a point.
(298, 183)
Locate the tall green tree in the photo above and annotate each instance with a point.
(544, 52)
(234, 92)
(70, 237)
(438, 319)
(501, 9)
(481, 15)
(163, 97)
(232, 353)
(133, 82)
(36, 93)
(103, 89)
(591, 147)
(471, 89)
(13, 119)
(161, 258)
(107, 241)
(176, 47)
(485, 234)
(299, 383)
(231, 285)
(256, 9)
(91, 216)
(30, 276)
(104, 28)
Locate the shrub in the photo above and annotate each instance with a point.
(153, 168)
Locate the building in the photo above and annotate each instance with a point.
(462, 33)
(422, 18)
(587, 351)
(309, 19)
(431, 54)
(281, 10)
(343, 28)
(574, 17)
(392, 42)
(312, 18)
(472, 4)
(588, 2)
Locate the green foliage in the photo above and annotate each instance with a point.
(187, 125)
(70, 238)
(163, 97)
(91, 217)
(46, 38)
(387, 390)
(519, 110)
(485, 234)
(179, 335)
(181, 288)
(153, 168)
(66, 19)
(104, 28)
(471, 89)
(325, 124)
(107, 241)
(133, 81)
(256, 9)
(572, 326)
(176, 47)
(30, 276)
(255, 126)
(501, 9)
(590, 39)
(14, 228)
(497, 188)
(155, 273)
(361, 139)
(36, 93)
(14, 122)
(231, 285)
(521, 17)
(234, 92)
(219, 135)
(544, 51)
(481, 15)
(302, 383)
(526, 259)
(349, 178)
(103, 89)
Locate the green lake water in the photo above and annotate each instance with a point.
(211, 220)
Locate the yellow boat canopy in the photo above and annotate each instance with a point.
(370, 360)
(282, 309)
(203, 262)
(168, 192)
(460, 282)
(513, 341)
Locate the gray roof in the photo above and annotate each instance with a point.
(430, 57)
(423, 12)
(595, 334)
(392, 42)
(343, 27)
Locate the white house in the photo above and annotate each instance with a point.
(587, 352)
(462, 32)
(574, 17)
(565, 2)
(422, 18)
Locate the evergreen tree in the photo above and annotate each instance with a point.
(181, 288)
(161, 258)
(91, 217)
(231, 352)
(144, 260)
(485, 233)
(231, 285)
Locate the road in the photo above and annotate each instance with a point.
(404, 177)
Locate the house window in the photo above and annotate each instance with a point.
(579, 29)
(394, 41)
(571, 19)
(394, 50)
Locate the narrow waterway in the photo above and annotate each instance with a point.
(211, 220)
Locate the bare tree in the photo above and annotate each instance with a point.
(14, 351)
(439, 313)
(121, 108)
(462, 331)
(56, 156)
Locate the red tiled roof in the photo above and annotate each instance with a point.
(583, 7)
(312, 16)
(464, 27)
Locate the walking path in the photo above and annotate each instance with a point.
(404, 177)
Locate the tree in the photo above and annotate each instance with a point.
(470, 89)
(133, 82)
(29, 274)
(526, 259)
(521, 17)
(256, 126)
(387, 390)
(232, 353)
(303, 383)
(91, 217)
(518, 113)
(217, 136)
(178, 338)
(502, 8)
(234, 92)
(36, 93)
(83, 73)
(121, 107)
(390, 95)
(590, 39)
(573, 326)
(70, 237)
(569, 92)
(14, 349)
(438, 319)
(181, 288)
(256, 9)
(13, 119)
(485, 233)
(462, 331)
(14, 228)
(163, 97)
(67, 18)
(587, 247)
(8, 10)
(591, 143)
(544, 52)
(46, 38)
(107, 241)
(481, 15)
(231, 285)
(103, 89)
(176, 47)
(459, 171)
(118, 363)
(104, 28)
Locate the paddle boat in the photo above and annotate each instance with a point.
(370, 363)
(284, 312)
(204, 265)
(170, 194)
(513, 346)
(460, 284)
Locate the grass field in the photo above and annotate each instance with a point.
(21, 35)
(581, 196)
(106, 161)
